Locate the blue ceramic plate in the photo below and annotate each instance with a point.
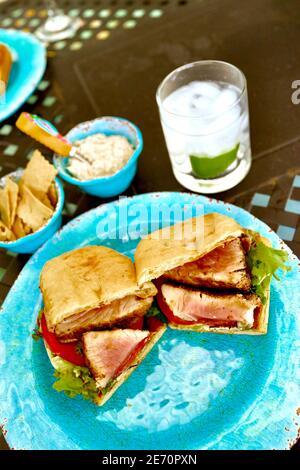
(193, 391)
(27, 70)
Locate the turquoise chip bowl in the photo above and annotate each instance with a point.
(111, 185)
(32, 242)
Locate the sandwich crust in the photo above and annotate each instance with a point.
(162, 251)
(87, 278)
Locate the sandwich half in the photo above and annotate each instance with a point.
(91, 288)
(96, 365)
(96, 323)
(215, 277)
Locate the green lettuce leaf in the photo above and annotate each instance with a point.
(73, 380)
(264, 261)
(37, 334)
(154, 311)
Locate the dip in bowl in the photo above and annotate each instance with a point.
(114, 184)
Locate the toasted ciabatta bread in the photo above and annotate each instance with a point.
(170, 247)
(87, 278)
(165, 249)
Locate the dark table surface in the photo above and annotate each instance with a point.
(117, 59)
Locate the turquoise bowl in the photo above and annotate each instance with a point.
(108, 186)
(32, 242)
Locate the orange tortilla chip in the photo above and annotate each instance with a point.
(4, 207)
(32, 211)
(52, 194)
(18, 228)
(38, 175)
(13, 191)
(6, 235)
(45, 200)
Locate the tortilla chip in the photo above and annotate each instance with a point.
(5, 207)
(19, 228)
(8, 202)
(52, 194)
(32, 211)
(45, 200)
(38, 175)
(13, 191)
(6, 235)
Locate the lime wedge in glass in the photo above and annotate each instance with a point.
(211, 167)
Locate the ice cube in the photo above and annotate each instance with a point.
(224, 121)
(207, 89)
(225, 100)
(187, 99)
(212, 147)
(200, 103)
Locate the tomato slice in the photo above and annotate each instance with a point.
(153, 324)
(67, 351)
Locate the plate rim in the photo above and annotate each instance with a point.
(11, 107)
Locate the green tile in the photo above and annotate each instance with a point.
(76, 45)
(104, 13)
(88, 13)
(43, 85)
(29, 154)
(121, 13)
(86, 34)
(34, 22)
(74, 12)
(156, 13)
(60, 45)
(2, 273)
(17, 13)
(6, 129)
(6, 22)
(112, 24)
(49, 101)
(129, 24)
(138, 13)
(10, 150)
(32, 99)
(58, 118)
(71, 208)
(11, 253)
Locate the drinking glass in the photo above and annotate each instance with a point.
(58, 25)
(205, 119)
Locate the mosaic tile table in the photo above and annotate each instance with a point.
(114, 64)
